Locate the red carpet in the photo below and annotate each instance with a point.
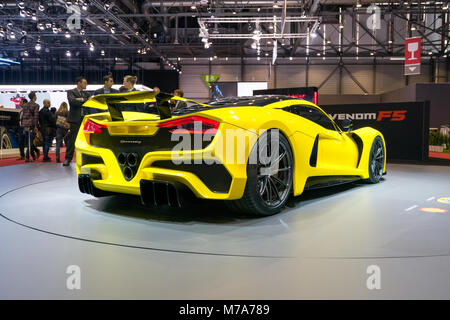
(13, 161)
(440, 155)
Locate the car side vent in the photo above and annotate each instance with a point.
(88, 159)
(315, 149)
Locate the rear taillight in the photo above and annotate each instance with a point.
(194, 124)
(93, 127)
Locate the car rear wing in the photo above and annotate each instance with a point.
(112, 101)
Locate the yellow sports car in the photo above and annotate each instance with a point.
(252, 152)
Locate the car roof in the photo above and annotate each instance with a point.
(257, 101)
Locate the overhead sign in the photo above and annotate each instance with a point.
(412, 55)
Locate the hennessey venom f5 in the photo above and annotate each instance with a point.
(222, 156)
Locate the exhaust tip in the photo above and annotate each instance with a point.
(132, 159)
(122, 158)
(128, 173)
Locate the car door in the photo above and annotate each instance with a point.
(335, 150)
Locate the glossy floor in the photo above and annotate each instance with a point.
(319, 247)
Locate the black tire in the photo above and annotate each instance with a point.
(376, 160)
(266, 194)
(4, 139)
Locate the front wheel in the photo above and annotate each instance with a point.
(376, 161)
(270, 170)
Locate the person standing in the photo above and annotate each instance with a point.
(48, 128)
(62, 127)
(20, 134)
(108, 82)
(128, 84)
(30, 122)
(76, 97)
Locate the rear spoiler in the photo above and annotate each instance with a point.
(112, 101)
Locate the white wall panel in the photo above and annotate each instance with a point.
(389, 77)
(227, 72)
(191, 82)
(291, 76)
(318, 73)
(363, 74)
(256, 73)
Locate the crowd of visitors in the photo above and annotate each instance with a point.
(41, 126)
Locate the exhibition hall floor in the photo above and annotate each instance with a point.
(319, 247)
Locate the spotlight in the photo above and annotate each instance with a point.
(254, 45)
(358, 4)
(67, 35)
(113, 30)
(92, 48)
(40, 26)
(68, 54)
(34, 16)
(84, 7)
(102, 52)
(372, 53)
(275, 4)
(413, 28)
(25, 53)
(12, 35)
(430, 53)
(207, 45)
(38, 46)
(259, 58)
(226, 58)
(341, 26)
(266, 54)
(290, 58)
(234, 12)
(195, 58)
(313, 35)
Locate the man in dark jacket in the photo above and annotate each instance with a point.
(76, 97)
(108, 82)
(48, 128)
(30, 121)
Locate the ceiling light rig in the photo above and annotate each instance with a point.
(270, 21)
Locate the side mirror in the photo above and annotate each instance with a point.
(347, 125)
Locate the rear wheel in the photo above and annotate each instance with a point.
(4, 139)
(376, 161)
(269, 176)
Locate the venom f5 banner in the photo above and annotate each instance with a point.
(405, 125)
(306, 93)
